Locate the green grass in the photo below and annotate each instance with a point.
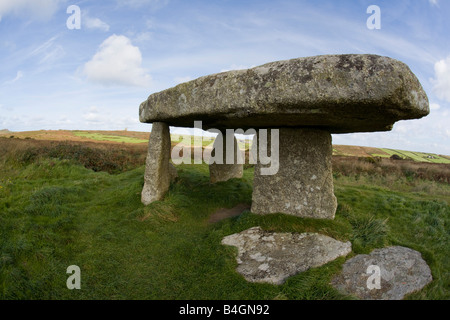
(56, 213)
(416, 156)
(206, 141)
(190, 140)
(104, 137)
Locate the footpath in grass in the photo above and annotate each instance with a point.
(54, 214)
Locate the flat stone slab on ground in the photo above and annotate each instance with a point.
(271, 257)
(403, 271)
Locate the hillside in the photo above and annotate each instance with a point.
(134, 137)
(69, 202)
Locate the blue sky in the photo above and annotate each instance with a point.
(95, 77)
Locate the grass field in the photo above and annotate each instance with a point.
(416, 156)
(355, 151)
(55, 212)
(105, 137)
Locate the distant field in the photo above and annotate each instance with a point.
(104, 137)
(416, 156)
(134, 137)
(124, 136)
(355, 151)
(184, 140)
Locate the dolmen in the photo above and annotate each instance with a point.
(296, 104)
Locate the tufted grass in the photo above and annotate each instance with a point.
(55, 213)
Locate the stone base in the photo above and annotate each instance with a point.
(224, 172)
(303, 185)
(159, 172)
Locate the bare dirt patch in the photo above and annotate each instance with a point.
(223, 213)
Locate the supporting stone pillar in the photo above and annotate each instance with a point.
(159, 172)
(223, 172)
(303, 185)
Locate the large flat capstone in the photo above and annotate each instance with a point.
(336, 93)
(272, 257)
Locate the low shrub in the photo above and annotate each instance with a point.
(112, 158)
(353, 166)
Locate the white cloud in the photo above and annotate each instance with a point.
(117, 62)
(48, 52)
(99, 118)
(6, 108)
(92, 115)
(44, 47)
(34, 9)
(434, 2)
(143, 37)
(94, 23)
(441, 84)
(51, 56)
(19, 75)
(64, 120)
(434, 106)
(155, 4)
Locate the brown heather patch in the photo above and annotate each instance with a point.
(349, 166)
(93, 155)
(119, 157)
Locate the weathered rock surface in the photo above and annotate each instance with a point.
(273, 257)
(337, 93)
(158, 171)
(219, 172)
(402, 271)
(303, 185)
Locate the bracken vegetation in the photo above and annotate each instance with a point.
(112, 158)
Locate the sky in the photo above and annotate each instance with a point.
(54, 75)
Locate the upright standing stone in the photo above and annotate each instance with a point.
(158, 171)
(224, 172)
(303, 185)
